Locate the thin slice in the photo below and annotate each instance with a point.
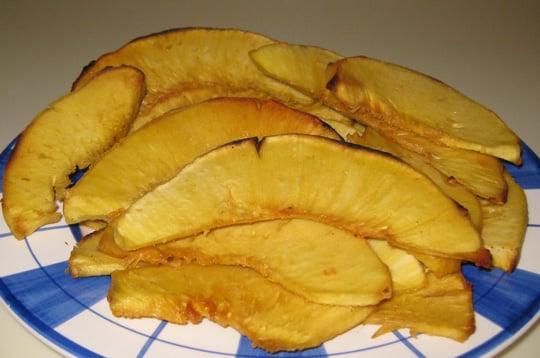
(86, 260)
(412, 101)
(186, 66)
(407, 273)
(365, 192)
(443, 308)
(69, 134)
(270, 316)
(439, 266)
(455, 191)
(505, 226)
(155, 153)
(305, 68)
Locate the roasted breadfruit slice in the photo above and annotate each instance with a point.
(155, 153)
(305, 68)
(270, 316)
(442, 308)
(365, 192)
(186, 66)
(69, 134)
(412, 101)
(505, 226)
(371, 139)
(406, 271)
(292, 253)
(86, 260)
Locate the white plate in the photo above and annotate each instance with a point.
(72, 316)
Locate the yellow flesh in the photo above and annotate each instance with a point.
(270, 316)
(442, 308)
(155, 153)
(188, 66)
(415, 102)
(69, 134)
(406, 272)
(455, 191)
(505, 226)
(305, 68)
(439, 266)
(288, 176)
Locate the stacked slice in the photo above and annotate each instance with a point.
(255, 213)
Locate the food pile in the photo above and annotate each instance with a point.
(283, 190)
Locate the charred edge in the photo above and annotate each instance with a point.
(332, 83)
(92, 63)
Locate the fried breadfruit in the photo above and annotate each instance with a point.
(186, 66)
(363, 191)
(410, 100)
(455, 191)
(505, 226)
(270, 316)
(86, 260)
(406, 272)
(439, 266)
(305, 68)
(69, 134)
(443, 307)
(155, 153)
(292, 253)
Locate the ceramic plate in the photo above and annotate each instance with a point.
(73, 317)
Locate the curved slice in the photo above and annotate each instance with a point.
(443, 307)
(69, 134)
(305, 68)
(406, 271)
(439, 266)
(455, 191)
(365, 192)
(505, 226)
(415, 102)
(270, 316)
(134, 167)
(86, 260)
(194, 64)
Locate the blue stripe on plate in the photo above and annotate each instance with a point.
(4, 157)
(151, 339)
(504, 298)
(528, 175)
(245, 349)
(27, 315)
(76, 232)
(409, 345)
(52, 306)
(48, 228)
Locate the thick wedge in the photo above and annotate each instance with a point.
(155, 153)
(371, 139)
(412, 101)
(439, 266)
(187, 66)
(505, 225)
(365, 192)
(69, 134)
(270, 316)
(305, 68)
(443, 308)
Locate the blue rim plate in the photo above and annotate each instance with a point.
(72, 316)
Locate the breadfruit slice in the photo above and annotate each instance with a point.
(71, 133)
(270, 316)
(365, 192)
(155, 153)
(186, 66)
(505, 226)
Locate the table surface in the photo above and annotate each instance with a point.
(490, 50)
